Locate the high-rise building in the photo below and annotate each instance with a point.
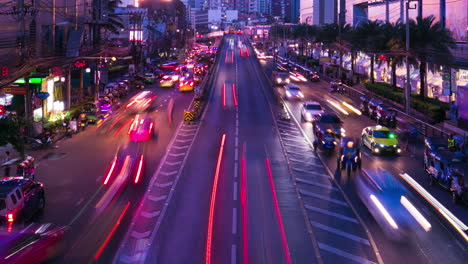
(281, 9)
(318, 12)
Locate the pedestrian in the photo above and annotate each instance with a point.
(7, 167)
(453, 111)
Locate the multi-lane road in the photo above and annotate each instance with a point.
(240, 185)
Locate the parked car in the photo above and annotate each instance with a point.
(20, 199)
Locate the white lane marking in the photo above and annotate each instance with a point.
(237, 121)
(168, 173)
(344, 254)
(332, 200)
(131, 259)
(183, 141)
(172, 163)
(236, 153)
(283, 122)
(317, 184)
(178, 147)
(186, 134)
(298, 146)
(237, 142)
(161, 105)
(177, 154)
(163, 185)
(323, 174)
(340, 216)
(156, 198)
(233, 254)
(79, 201)
(140, 235)
(188, 130)
(291, 139)
(237, 131)
(234, 220)
(340, 233)
(236, 168)
(234, 194)
(150, 214)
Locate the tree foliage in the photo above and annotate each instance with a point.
(11, 132)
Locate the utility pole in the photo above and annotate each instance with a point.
(387, 11)
(340, 37)
(402, 11)
(442, 13)
(408, 81)
(420, 8)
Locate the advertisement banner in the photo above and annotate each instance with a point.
(15, 90)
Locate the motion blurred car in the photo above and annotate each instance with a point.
(310, 109)
(38, 243)
(158, 73)
(186, 85)
(391, 204)
(166, 81)
(297, 76)
(282, 78)
(174, 75)
(380, 139)
(329, 121)
(141, 101)
(149, 77)
(20, 199)
(293, 92)
(141, 129)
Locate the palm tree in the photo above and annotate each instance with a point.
(430, 42)
(394, 46)
(327, 35)
(370, 37)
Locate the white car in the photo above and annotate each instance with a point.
(293, 92)
(310, 109)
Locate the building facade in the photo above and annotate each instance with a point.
(318, 12)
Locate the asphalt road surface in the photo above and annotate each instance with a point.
(74, 171)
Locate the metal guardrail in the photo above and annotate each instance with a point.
(198, 103)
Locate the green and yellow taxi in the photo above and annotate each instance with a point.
(380, 139)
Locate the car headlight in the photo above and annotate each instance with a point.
(300, 94)
(342, 130)
(308, 116)
(278, 80)
(288, 81)
(288, 94)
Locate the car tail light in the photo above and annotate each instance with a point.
(191, 83)
(161, 81)
(10, 218)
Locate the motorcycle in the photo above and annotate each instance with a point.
(41, 141)
(350, 157)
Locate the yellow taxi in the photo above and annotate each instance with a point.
(186, 85)
(380, 139)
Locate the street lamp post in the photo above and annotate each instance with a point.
(408, 81)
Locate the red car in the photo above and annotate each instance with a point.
(141, 129)
(35, 244)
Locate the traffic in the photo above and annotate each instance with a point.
(128, 120)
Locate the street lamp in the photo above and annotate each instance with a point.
(88, 70)
(408, 80)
